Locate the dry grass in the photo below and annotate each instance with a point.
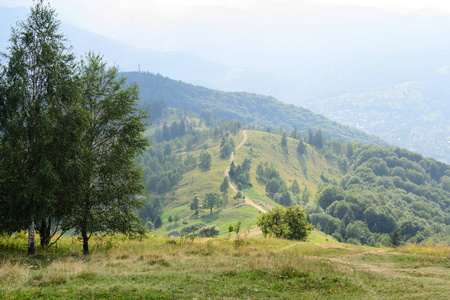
(159, 268)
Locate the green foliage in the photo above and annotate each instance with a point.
(395, 238)
(112, 139)
(241, 173)
(289, 223)
(205, 161)
(212, 200)
(224, 185)
(295, 188)
(208, 231)
(315, 139)
(328, 195)
(195, 203)
(301, 147)
(226, 148)
(151, 210)
(191, 229)
(39, 126)
(284, 141)
(262, 111)
(74, 141)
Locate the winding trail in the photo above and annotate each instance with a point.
(248, 201)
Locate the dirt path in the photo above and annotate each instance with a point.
(248, 201)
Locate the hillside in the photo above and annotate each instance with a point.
(357, 193)
(413, 115)
(261, 111)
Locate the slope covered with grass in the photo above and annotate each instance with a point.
(164, 268)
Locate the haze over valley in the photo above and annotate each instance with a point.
(375, 69)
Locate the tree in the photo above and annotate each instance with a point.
(238, 195)
(294, 133)
(285, 198)
(295, 187)
(208, 231)
(170, 219)
(211, 200)
(284, 141)
(112, 139)
(176, 218)
(301, 147)
(395, 238)
(158, 222)
(328, 195)
(205, 161)
(227, 148)
(290, 223)
(36, 118)
(260, 171)
(232, 169)
(318, 139)
(194, 203)
(224, 186)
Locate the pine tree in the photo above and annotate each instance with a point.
(301, 147)
(395, 238)
(284, 141)
(224, 186)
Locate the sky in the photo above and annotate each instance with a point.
(108, 17)
(223, 30)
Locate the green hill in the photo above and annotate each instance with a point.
(355, 192)
(261, 111)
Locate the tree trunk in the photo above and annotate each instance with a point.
(44, 233)
(31, 249)
(85, 241)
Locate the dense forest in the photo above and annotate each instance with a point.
(384, 189)
(261, 111)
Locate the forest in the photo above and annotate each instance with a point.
(378, 189)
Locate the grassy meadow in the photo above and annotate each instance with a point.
(226, 267)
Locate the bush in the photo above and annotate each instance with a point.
(289, 223)
(208, 231)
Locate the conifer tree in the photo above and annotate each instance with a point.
(224, 186)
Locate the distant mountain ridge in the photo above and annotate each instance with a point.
(179, 65)
(259, 110)
(413, 115)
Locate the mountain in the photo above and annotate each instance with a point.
(321, 61)
(355, 192)
(180, 65)
(259, 110)
(413, 115)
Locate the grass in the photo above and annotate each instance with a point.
(261, 268)
(260, 147)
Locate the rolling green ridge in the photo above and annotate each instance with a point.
(259, 110)
(356, 192)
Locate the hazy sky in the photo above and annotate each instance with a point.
(95, 14)
(165, 25)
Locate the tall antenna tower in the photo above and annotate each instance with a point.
(139, 68)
